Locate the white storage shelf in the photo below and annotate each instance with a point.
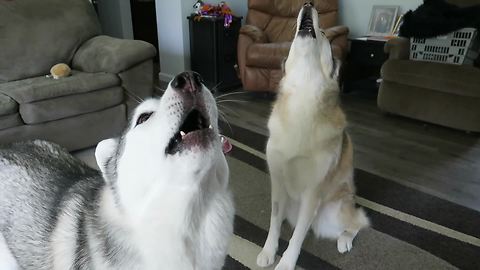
(460, 48)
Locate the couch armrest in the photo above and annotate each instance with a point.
(336, 31)
(267, 55)
(113, 55)
(398, 48)
(249, 34)
(254, 33)
(338, 36)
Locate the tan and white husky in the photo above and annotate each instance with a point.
(309, 153)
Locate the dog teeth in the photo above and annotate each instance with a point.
(182, 133)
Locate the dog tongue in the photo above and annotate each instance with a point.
(226, 145)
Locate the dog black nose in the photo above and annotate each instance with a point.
(308, 4)
(188, 81)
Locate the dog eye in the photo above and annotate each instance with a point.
(143, 117)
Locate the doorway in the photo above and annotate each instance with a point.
(144, 21)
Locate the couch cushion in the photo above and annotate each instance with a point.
(455, 111)
(113, 55)
(11, 120)
(279, 17)
(40, 88)
(7, 105)
(267, 55)
(72, 105)
(35, 35)
(73, 133)
(453, 79)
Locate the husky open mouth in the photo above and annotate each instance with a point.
(306, 28)
(195, 130)
(189, 109)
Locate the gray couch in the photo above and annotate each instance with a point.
(443, 94)
(79, 110)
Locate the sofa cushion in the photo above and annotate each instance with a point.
(453, 79)
(7, 105)
(40, 88)
(455, 111)
(267, 55)
(113, 55)
(35, 35)
(72, 105)
(73, 133)
(279, 17)
(11, 120)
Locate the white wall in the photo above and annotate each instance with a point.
(239, 8)
(187, 8)
(126, 18)
(171, 35)
(356, 13)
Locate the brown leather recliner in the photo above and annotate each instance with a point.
(266, 37)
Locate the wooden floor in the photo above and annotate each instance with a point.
(436, 160)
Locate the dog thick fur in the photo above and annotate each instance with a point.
(309, 153)
(161, 200)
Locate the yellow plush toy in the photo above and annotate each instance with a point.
(59, 71)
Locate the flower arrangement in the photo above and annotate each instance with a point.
(221, 10)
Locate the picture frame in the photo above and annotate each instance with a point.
(382, 20)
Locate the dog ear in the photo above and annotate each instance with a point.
(336, 64)
(326, 58)
(283, 65)
(105, 154)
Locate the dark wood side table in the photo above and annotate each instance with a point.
(363, 66)
(213, 51)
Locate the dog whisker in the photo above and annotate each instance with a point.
(230, 94)
(214, 88)
(228, 109)
(231, 100)
(222, 115)
(134, 96)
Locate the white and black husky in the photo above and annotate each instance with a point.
(161, 202)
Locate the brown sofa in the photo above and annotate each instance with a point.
(265, 39)
(443, 94)
(76, 111)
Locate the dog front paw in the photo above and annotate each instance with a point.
(345, 242)
(265, 258)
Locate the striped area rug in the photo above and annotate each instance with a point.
(410, 229)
